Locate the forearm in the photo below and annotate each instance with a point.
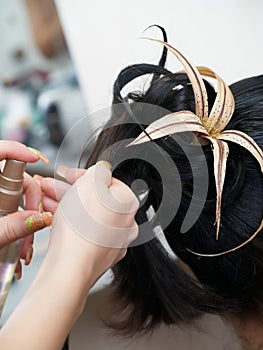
(49, 309)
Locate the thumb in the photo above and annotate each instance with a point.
(102, 173)
(21, 224)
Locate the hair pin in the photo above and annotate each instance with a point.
(205, 125)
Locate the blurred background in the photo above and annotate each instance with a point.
(58, 62)
(59, 59)
(40, 98)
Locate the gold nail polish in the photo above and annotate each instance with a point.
(38, 221)
(39, 154)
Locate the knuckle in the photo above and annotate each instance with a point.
(134, 233)
(122, 254)
(136, 202)
(8, 231)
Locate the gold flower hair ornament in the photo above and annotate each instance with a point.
(209, 126)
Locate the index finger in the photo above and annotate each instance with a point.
(18, 151)
(70, 174)
(32, 193)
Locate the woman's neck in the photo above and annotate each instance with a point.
(249, 331)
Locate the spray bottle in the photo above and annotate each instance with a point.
(11, 191)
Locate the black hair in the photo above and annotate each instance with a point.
(151, 287)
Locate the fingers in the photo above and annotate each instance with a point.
(27, 243)
(124, 195)
(71, 175)
(97, 210)
(54, 189)
(29, 254)
(113, 193)
(18, 270)
(102, 173)
(32, 193)
(120, 198)
(18, 151)
(49, 204)
(118, 190)
(22, 224)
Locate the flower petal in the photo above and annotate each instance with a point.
(201, 100)
(224, 104)
(245, 141)
(220, 152)
(171, 124)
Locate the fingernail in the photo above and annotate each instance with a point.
(41, 207)
(105, 163)
(39, 154)
(62, 170)
(18, 272)
(38, 179)
(29, 254)
(18, 275)
(38, 221)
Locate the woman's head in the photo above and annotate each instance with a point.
(151, 285)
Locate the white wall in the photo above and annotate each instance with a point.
(103, 36)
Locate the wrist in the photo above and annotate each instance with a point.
(68, 271)
(65, 283)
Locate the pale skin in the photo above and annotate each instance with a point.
(44, 317)
(46, 314)
(13, 226)
(249, 331)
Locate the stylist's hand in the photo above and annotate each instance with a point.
(23, 224)
(74, 261)
(94, 222)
